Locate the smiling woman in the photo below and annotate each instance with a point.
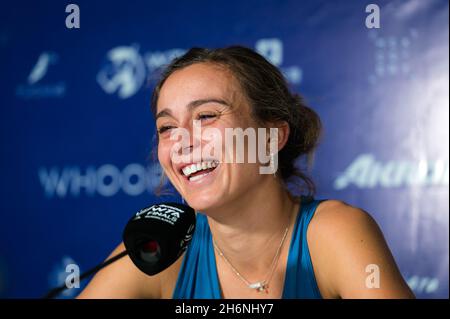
(254, 238)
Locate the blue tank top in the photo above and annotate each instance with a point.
(198, 277)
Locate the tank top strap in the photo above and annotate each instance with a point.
(300, 281)
(198, 278)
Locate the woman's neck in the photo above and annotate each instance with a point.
(249, 230)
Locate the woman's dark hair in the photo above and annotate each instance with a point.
(270, 100)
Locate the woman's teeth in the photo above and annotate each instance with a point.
(194, 168)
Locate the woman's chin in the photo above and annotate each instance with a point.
(202, 204)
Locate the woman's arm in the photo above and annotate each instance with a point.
(122, 279)
(350, 255)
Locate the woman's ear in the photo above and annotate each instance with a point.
(283, 134)
(283, 131)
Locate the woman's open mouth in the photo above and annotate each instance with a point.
(197, 171)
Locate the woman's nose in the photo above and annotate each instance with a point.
(190, 144)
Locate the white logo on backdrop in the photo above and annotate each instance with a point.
(106, 180)
(41, 67)
(34, 88)
(367, 172)
(423, 284)
(127, 69)
(272, 50)
(392, 55)
(125, 74)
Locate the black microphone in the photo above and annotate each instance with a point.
(158, 235)
(154, 238)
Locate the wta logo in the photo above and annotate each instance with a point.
(162, 212)
(126, 69)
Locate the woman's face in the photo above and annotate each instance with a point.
(208, 94)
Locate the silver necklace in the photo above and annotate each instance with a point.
(260, 286)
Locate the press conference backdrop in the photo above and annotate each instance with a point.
(77, 133)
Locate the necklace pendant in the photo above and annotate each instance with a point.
(259, 286)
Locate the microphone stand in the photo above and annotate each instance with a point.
(56, 291)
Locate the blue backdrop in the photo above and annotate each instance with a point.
(76, 129)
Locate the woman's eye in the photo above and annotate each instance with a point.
(206, 116)
(163, 129)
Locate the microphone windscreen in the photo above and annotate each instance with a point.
(158, 235)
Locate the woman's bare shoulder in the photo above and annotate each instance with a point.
(122, 279)
(344, 242)
(331, 211)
